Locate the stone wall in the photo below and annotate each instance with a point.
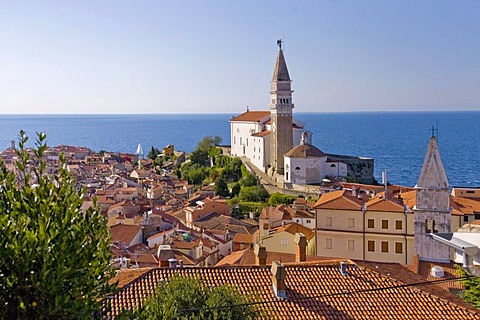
(359, 168)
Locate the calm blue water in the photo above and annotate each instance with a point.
(396, 140)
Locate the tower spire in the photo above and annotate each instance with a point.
(281, 107)
(432, 212)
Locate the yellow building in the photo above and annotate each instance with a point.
(354, 227)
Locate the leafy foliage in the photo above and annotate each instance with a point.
(153, 153)
(221, 187)
(235, 190)
(254, 193)
(249, 180)
(54, 258)
(194, 173)
(280, 198)
(189, 298)
(209, 142)
(471, 292)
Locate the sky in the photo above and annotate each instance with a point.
(218, 56)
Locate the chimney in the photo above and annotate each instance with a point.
(354, 192)
(343, 268)
(278, 277)
(260, 255)
(172, 263)
(301, 247)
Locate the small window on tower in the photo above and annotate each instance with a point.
(428, 226)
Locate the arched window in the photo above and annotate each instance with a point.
(297, 168)
(333, 165)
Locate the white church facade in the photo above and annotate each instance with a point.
(306, 164)
(271, 139)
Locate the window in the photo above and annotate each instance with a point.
(371, 223)
(247, 142)
(385, 246)
(398, 247)
(371, 246)
(328, 243)
(384, 224)
(308, 221)
(477, 216)
(398, 224)
(465, 218)
(470, 191)
(428, 226)
(351, 245)
(297, 168)
(434, 227)
(254, 149)
(351, 222)
(234, 140)
(328, 221)
(284, 242)
(332, 165)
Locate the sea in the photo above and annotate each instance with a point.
(396, 140)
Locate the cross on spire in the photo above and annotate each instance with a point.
(279, 43)
(433, 131)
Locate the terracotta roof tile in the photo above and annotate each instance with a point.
(339, 200)
(305, 151)
(254, 116)
(313, 291)
(262, 133)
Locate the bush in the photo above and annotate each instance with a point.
(249, 180)
(254, 193)
(55, 259)
(189, 298)
(280, 198)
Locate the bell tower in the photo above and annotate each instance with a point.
(432, 212)
(281, 106)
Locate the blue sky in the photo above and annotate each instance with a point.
(218, 56)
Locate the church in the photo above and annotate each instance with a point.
(277, 143)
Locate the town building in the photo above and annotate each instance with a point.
(266, 139)
(392, 227)
(330, 289)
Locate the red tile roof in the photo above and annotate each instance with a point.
(254, 116)
(339, 200)
(313, 291)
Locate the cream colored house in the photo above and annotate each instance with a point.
(353, 227)
(282, 238)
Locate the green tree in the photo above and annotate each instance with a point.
(189, 298)
(199, 157)
(254, 193)
(209, 142)
(280, 198)
(194, 173)
(221, 187)
(153, 153)
(249, 180)
(471, 291)
(235, 190)
(55, 259)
